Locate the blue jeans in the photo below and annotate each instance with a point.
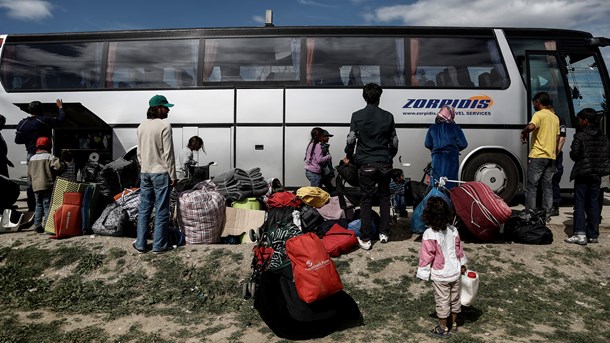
(315, 180)
(540, 170)
(41, 211)
(154, 191)
(586, 206)
(400, 203)
(379, 174)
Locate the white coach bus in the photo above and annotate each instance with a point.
(253, 94)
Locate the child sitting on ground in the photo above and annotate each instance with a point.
(442, 260)
(42, 168)
(397, 188)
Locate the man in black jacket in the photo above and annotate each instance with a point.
(591, 156)
(32, 127)
(372, 144)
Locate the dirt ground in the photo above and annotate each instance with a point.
(394, 260)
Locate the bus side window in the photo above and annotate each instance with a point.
(463, 77)
(484, 80)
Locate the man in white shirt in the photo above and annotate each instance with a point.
(157, 175)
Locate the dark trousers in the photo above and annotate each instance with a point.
(557, 179)
(586, 206)
(371, 175)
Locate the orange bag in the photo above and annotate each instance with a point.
(67, 218)
(315, 274)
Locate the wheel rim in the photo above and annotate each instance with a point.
(492, 175)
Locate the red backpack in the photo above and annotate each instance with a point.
(339, 240)
(315, 274)
(283, 199)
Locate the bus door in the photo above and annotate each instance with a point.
(545, 74)
(575, 83)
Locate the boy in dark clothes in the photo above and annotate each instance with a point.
(590, 153)
(397, 188)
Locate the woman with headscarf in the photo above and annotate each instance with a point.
(445, 139)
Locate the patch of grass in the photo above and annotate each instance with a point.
(377, 266)
(89, 262)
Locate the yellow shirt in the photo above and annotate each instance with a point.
(544, 136)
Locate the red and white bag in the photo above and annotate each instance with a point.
(315, 274)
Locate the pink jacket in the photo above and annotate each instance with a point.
(441, 256)
(313, 163)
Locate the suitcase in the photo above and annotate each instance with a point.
(481, 210)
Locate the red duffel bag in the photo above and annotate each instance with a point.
(315, 274)
(339, 240)
(481, 210)
(67, 218)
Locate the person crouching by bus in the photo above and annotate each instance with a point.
(34, 126)
(157, 175)
(318, 161)
(371, 145)
(42, 168)
(397, 188)
(589, 151)
(186, 156)
(445, 139)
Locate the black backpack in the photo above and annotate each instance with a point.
(310, 219)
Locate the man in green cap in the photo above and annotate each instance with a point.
(157, 175)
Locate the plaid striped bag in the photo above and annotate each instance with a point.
(201, 213)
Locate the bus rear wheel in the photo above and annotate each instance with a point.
(495, 170)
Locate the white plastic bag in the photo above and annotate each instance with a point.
(469, 287)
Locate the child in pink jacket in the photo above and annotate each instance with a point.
(442, 260)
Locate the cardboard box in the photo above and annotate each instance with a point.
(239, 220)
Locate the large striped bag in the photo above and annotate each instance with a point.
(201, 213)
(57, 198)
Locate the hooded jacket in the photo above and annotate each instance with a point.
(589, 151)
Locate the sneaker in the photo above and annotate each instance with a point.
(140, 251)
(169, 248)
(40, 229)
(404, 214)
(454, 328)
(365, 245)
(577, 239)
(554, 212)
(383, 238)
(593, 240)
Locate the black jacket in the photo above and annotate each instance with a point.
(372, 136)
(32, 127)
(590, 152)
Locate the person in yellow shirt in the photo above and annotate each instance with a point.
(541, 167)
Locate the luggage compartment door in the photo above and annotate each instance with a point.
(260, 147)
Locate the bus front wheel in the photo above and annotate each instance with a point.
(497, 171)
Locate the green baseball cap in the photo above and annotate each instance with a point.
(159, 100)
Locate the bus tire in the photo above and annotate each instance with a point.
(497, 171)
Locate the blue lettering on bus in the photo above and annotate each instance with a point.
(478, 102)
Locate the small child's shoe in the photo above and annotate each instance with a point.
(439, 331)
(454, 328)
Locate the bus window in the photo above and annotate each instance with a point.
(43, 66)
(585, 81)
(456, 63)
(251, 59)
(151, 64)
(353, 61)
